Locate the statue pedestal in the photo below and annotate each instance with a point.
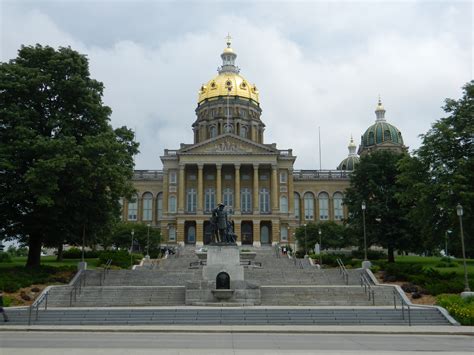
(223, 259)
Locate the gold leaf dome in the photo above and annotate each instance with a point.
(228, 83)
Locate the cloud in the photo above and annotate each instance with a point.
(320, 65)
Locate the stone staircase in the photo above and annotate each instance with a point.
(229, 316)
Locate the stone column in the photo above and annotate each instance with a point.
(256, 233)
(200, 189)
(165, 191)
(255, 189)
(238, 230)
(237, 190)
(180, 232)
(291, 194)
(218, 183)
(154, 211)
(275, 231)
(199, 233)
(139, 209)
(181, 188)
(274, 189)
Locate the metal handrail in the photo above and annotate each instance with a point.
(365, 283)
(343, 270)
(105, 271)
(77, 285)
(403, 303)
(36, 304)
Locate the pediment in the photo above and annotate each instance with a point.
(228, 144)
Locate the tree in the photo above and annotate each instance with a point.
(374, 182)
(441, 175)
(63, 168)
(333, 235)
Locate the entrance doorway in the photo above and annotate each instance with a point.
(190, 232)
(247, 233)
(265, 233)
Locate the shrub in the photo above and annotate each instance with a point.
(461, 309)
(402, 272)
(5, 257)
(7, 301)
(119, 258)
(76, 253)
(371, 254)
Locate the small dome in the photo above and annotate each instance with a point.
(349, 163)
(381, 132)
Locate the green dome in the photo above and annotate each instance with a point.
(381, 132)
(349, 163)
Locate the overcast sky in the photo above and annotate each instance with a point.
(315, 63)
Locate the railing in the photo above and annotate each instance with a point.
(77, 286)
(343, 271)
(403, 304)
(36, 305)
(366, 284)
(299, 175)
(104, 272)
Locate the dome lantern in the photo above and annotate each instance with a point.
(380, 111)
(228, 59)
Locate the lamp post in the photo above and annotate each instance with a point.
(148, 242)
(366, 263)
(320, 249)
(460, 212)
(305, 252)
(448, 232)
(131, 249)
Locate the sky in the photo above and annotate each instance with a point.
(317, 64)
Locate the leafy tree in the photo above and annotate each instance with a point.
(63, 167)
(441, 175)
(333, 235)
(121, 237)
(374, 181)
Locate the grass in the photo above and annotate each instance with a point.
(431, 261)
(48, 260)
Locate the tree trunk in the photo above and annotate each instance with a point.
(34, 250)
(391, 253)
(60, 252)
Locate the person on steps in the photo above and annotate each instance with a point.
(2, 310)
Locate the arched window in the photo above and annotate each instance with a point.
(171, 234)
(172, 204)
(371, 138)
(323, 206)
(264, 200)
(308, 206)
(245, 200)
(338, 210)
(283, 204)
(147, 206)
(228, 197)
(243, 131)
(297, 205)
(386, 135)
(213, 131)
(191, 200)
(133, 208)
(209, 199)
(159, 205)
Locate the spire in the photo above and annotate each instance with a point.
(352, 147)
(228, 58)
(380, 111)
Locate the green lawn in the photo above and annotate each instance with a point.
(431, 261)
(49, 260)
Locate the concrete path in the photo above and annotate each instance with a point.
(40, 343)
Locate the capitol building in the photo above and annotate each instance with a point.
(229, 162)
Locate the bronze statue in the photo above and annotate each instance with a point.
(222, 228)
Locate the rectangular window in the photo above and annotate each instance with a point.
(209, 200)
(191, 200)
(172, 234)
(172, 177)
(283, 234)
(246, 200)
(283, 177)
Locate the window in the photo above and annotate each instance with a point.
(191, 199)
(338, 210)
(387, 136)
(228, 197)
(323, 206)
(192, 177)
(159, 205)
(213, 131)
(283, 177)
(297, 205)
(245, 200)
(284, 234)
(147, 206)
(133, 208)
(308, 206)
(209, 199)
(171, 234)
(243, 131)
(228, 128)
(263, 177)
(172, 204)
(172, 177)
(264, 200)
(371, 138)
(283, 204)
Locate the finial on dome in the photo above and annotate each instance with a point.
(229, 40)
(352, 147)
(380, 111)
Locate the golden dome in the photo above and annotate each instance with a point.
(228, 83)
